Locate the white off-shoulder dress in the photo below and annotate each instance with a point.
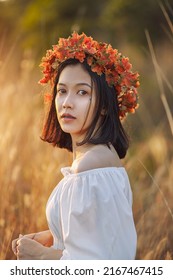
(90, 215)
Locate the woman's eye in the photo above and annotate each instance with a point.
(61, 91)
(82, 92)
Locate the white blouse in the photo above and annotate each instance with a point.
(90, 215)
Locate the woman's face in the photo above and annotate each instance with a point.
(75, 101)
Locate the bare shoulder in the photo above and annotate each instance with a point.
(98, 157)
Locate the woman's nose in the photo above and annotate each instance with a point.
(68, 102)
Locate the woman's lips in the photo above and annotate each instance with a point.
(67, 117)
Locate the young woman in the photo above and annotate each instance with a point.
(89, 213)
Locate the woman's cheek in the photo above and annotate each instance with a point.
(57, 107)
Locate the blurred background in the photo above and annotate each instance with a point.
(30, 168)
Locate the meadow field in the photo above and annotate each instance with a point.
(30, 168)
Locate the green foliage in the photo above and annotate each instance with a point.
(39, 23)
(130, 18)
(44, 21)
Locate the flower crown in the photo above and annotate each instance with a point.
(102, 58)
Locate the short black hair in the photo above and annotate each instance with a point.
(110, 130)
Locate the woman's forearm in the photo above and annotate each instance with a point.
(44, 237)
(52, 254)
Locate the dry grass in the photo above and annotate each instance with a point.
(29, 168)
(153, 194)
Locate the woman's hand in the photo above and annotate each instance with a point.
(29, 249)
(44, 237)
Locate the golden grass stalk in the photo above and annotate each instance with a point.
(165, 79)
(158, 187)
(166, 17)
(160, 82)
(168, 111)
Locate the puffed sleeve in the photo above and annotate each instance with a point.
(96, 216)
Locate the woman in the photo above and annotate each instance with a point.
(89, 213)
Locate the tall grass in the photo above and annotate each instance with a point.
(28, 167)
(155, 225)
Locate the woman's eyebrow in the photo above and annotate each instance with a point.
(78, 84)
(83, 84)
(60, 84)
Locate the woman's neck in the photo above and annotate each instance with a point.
(79, 151)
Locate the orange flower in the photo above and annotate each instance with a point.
(47, 97)
(80, 56)
(98, 69)
(126, 65)
(90, 60)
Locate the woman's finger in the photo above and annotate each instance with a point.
(15, 243)
(14, 246)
